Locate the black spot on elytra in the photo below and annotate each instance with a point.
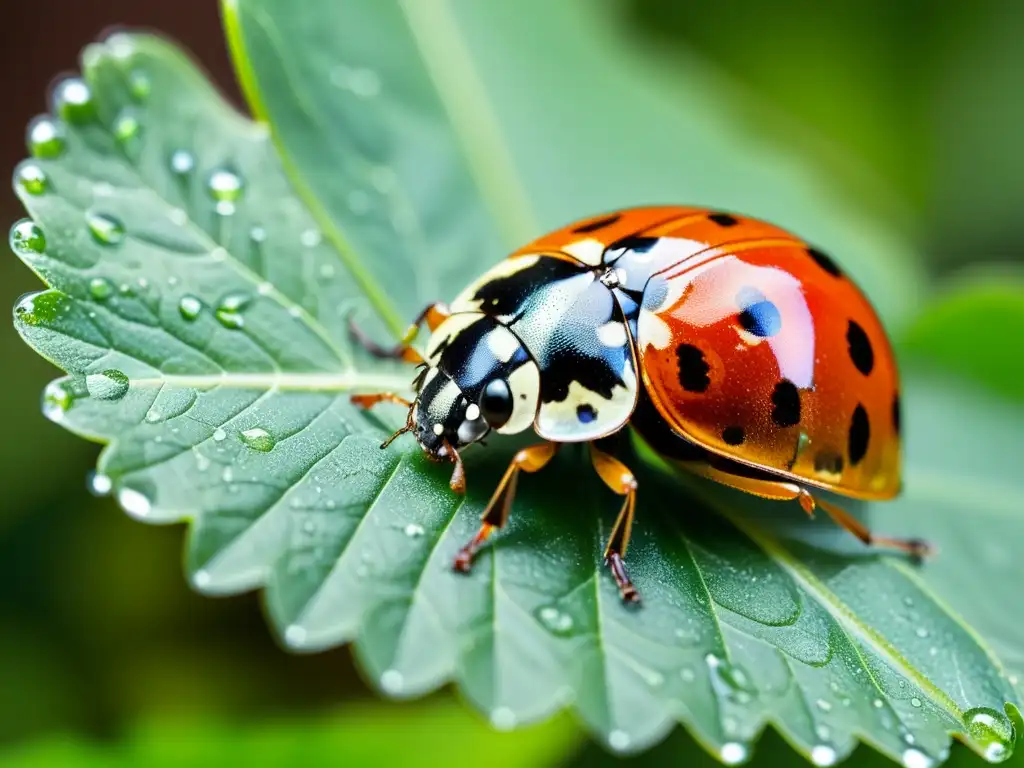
(896, 414)
(636, 243)
(824, 261)
(861, 353)
(860, 434)
(593, 226)
(828, 461)
(693, 368)
(733, 435)
(761, 318)
(786, 399)
(724, 219)
(585, 413)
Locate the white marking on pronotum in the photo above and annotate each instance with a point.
(502, 343)
(588, 251)
(439, 429)
(472, 412)
(612, 334)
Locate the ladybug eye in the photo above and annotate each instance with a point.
(496, 402)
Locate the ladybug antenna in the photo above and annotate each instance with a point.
(407, 428)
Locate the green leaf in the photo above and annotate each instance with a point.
(216, 366)
(546, 108)
(370, 735)
(971, 328)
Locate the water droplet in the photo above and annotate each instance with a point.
(110, 384)
(921, 632)
(414, 530)
(823, 705)
(361, 81)
(326, 271)
(202, 462)
(46, 138)
(127, 129)
(992, 732)
(202, 578)
(73, 101)
(139, 85)
(189, 307)
(730, 680)
(503, 718)
(100, 289)
(915, 758)
(182, 162)
(227, 475)
(877, 703)
(219, 435)
(822, 754)
(27, 237)
(915, 702)
(733, 752)
(554, 620)
(258, 439)
(105, 229)
(392, 681)
(225, 188)
(619, 740)
(295, 635)
(823, 732)
(687, 674)
(134, 503)
(229, 312)
(57, 401)
(99, 484)
(32, 179)
(310, 238)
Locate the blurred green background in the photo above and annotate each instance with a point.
(101, 640)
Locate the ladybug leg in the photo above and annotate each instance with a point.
(617, 476)
(433, 315)
(495, 515)
(781, 490)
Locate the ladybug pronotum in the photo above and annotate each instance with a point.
(734, 348)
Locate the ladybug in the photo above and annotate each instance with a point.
(734, 348)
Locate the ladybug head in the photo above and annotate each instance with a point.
(443, 418)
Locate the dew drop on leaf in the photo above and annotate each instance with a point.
(553, 620)
(182, 162)
(105, 229)
(139, 85)
(229, 312)
(619, 740)
(295, 635)
(992, 732)
(733, 752)
(310, 238)
(258, 439)
(414, 530)
(134, 502)
(100, 289)
(127, 128)
(915, 702)
(502, 718)
(225, 188)
(27, 237)
(99, 484)
(32, 179)
(73, 101)
(57, 400)
(730, 680)
(824, 705)
(392, 681)
(219, 435)
(46, 138)
(189, 307)
(687, 674)
(257, 234)
(915, 758)
(822, 754)
(110, 384)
